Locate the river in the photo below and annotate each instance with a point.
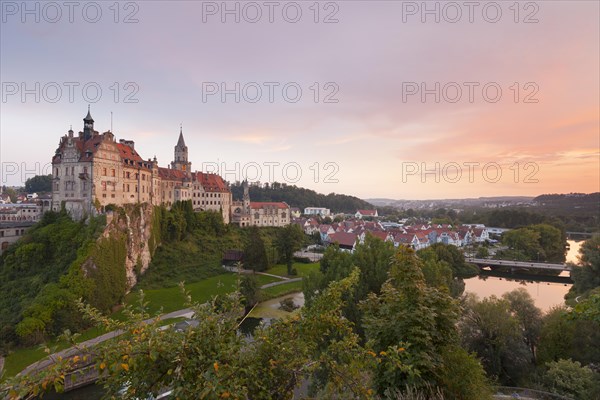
(546, 295)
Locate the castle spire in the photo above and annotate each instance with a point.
(181, 142)
(88, 125)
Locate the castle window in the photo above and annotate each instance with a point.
(113, 173)
(103, 171)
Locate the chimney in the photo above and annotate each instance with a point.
(129, 143)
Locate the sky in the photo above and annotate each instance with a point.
(377, 99)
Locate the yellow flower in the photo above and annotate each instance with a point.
(382, 353)
(401, 349)
(225, 395)
(372, 353)
(216, 366)
(125, 366)
(102, 365)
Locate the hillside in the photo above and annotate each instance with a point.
(301, 198)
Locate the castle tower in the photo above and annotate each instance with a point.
(88, 126)
(246, 198)
(180, 161)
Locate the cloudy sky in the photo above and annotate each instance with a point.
(388, 99)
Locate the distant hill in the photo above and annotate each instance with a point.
(574, 204)
(301, 198)
(499, 201)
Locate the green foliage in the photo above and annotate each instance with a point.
(255, 253)
(567, 334)
(541, 242)
(462, 376)
(528, 316)
(491, 329)
(556, 336)
(39, 184)
(289, 240)
(30, 278)
(213, 361)
(409, 324)
(106, 269)
(569, 378)
(250, 290)
(439, 259)
(586, 276)
(301, 198)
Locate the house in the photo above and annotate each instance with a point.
(365, 213)
(323, 212)
(346, 241)
(295, 211)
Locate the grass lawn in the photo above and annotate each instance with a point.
(302, 269)
(280, 290)
(170, 299)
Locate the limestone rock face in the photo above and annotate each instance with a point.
(136, 223)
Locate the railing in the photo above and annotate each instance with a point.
(507, 392)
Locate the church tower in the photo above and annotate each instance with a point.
(180, 162)
(88, 126)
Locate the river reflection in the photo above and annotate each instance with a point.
(546, 295)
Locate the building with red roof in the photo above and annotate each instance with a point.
(259, 213)
(92, 170)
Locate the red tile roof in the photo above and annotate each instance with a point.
(128, 153)
(171, 174)
(343, 239)
(367, 212)
(211, 182)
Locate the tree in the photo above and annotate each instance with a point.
(586, 275)
(528, 315)
(255, 253)
(524, 241)
(39, 183)
(541, 242)
(213, 361)
(490, 329)
(249, 290)
(570, 378)
(289, 240)
(556, 336)
(413, 327)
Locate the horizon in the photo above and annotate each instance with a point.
(398, 89)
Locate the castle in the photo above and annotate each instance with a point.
(92, 170)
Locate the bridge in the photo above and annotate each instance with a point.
(484, 262)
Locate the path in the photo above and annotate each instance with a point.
(72, 351)
(185, 313)
(249, 271)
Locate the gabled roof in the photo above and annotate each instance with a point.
(171, 174)
(211, 182)
(367, 212)
(378, 234)
(127, 153)
(343, 239)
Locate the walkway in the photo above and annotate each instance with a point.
(183, 313)
(484, 262)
